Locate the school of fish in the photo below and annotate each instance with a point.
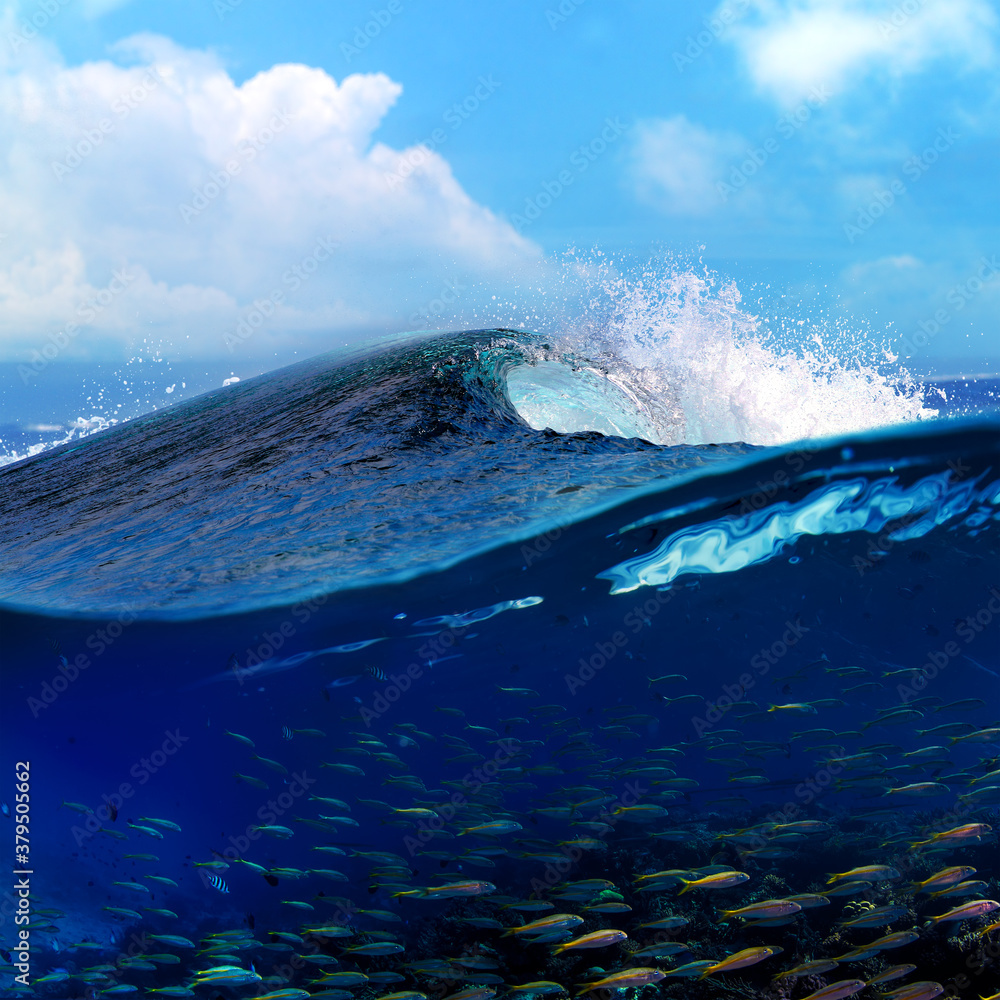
(574, 857)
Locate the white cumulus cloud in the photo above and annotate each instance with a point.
(792, 46)
(205, 197)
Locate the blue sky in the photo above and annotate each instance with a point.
(248, 182)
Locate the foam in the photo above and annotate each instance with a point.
(707, 371)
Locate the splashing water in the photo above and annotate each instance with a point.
(710, 372)
(78, 428)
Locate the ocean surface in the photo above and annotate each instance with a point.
(490, 663)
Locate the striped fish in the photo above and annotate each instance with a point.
(215, 882)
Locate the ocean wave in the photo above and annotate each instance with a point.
(359, 469)
(350, 468)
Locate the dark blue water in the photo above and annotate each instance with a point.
(635, 657)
